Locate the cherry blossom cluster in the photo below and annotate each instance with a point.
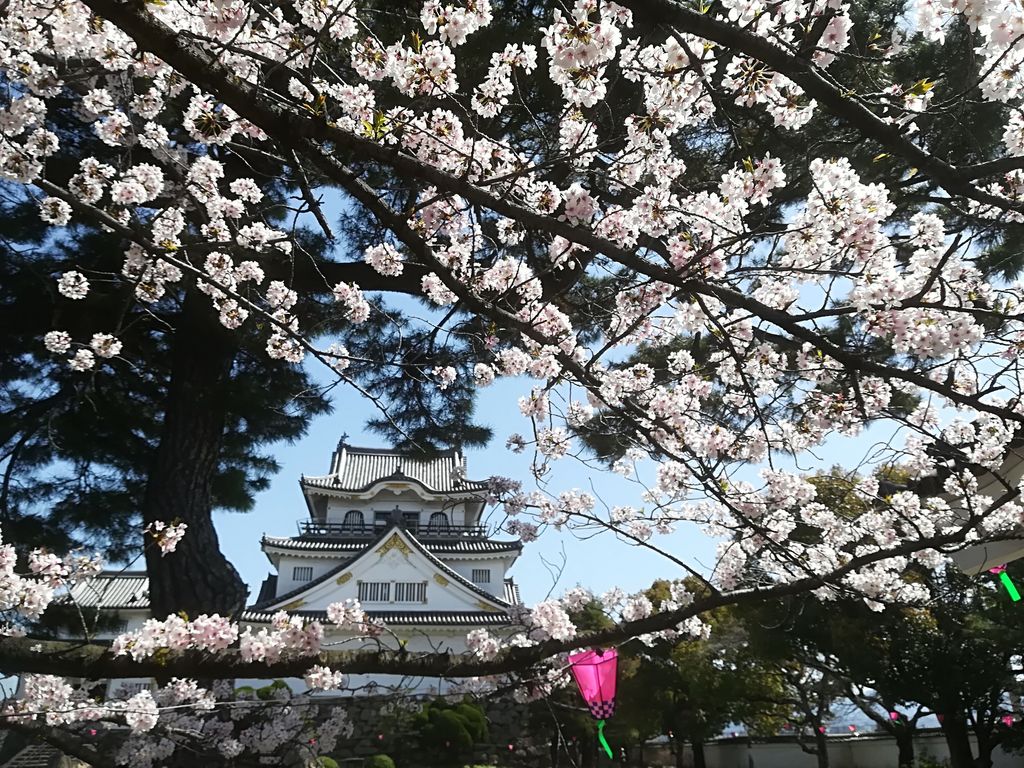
(166, 535)
(175, 633)
(27, 595)
(58, 703)
(220, 718)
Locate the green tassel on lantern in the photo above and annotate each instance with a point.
(1005, 578)
(603, 740)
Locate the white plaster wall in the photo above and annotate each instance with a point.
(497, 568)
(386, 501)
(287, 564)
(133, 618)
(860, 752)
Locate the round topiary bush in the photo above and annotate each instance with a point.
(379, 761)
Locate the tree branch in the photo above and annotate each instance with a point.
(96, 661)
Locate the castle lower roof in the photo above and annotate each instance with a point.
(402, 618)
(455, 546)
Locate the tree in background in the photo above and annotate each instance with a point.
(694, 687)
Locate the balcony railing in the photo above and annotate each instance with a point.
(337, 530)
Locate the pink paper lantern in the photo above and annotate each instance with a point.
(595, 673)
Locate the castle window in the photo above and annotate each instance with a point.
(438, 523)
(353, 522)
(381, 592)
(481, 576)
(374, 591)
(410, 592)
(128, 689)
(302, 573)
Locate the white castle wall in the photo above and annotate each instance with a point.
(394, 566)
(386, 501)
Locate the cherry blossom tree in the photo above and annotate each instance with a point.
(735, 322)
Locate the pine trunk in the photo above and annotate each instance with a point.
(905, 745)
(699, 759)
(985, 746)
(821, 748)
(955, 730)
(196, 578)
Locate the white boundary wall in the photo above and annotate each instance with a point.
(867, 751)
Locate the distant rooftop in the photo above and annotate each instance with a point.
(357, 469)
(113, 590)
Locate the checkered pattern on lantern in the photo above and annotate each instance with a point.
(602, 710)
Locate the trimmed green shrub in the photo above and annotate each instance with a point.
(447, 731)
(474, 720)
(379, 761)
(268, 692)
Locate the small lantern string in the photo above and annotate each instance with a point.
(603, 740)
(1007, 582)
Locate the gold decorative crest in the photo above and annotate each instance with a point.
(395, 542)
(345, 577)
(487, 607)
(441, 580)
(294, 605)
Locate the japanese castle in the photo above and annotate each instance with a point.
(403, 535)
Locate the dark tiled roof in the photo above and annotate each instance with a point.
(112, 589)
(512, 593)
(267, 589)
(456, 546)
(417, 618)
(357, 469)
